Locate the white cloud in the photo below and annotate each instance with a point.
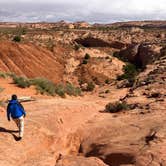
(88, 10)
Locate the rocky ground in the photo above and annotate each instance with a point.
(79, 131)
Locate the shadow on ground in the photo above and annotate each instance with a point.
(115, 159)
(3, 130)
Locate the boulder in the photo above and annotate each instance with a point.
(130, 52)
(141, 54)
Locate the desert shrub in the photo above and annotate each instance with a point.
(116, 107)
(130, 73)
(87, 56)
(107, 91)
(17, 38)
(84, 61)
(21, 82)
(12, 75)
(44, 86)
(6, 75)
(3, 75)
(107, 81)
(90, 86)
(60, 90)
(80, 81)
(72, 90)
(130, 70)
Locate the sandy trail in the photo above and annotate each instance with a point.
(53, 126)
(50, 128)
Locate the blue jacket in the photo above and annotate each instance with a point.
(15, 109)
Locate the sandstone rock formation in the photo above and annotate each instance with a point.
(30, 61)
(141, 54)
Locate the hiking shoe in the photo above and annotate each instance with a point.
(19, 139)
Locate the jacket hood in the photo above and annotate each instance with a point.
(13, 101)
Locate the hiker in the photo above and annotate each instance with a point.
(16, 111)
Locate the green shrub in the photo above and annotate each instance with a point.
(44, 86)
(71, 90)
(17, 38)
(80, 81)
(130, 73)
(87, 56)
(130, 70)
(12, 75)
(107, 91)
(3, 75)
(116, 107)
(107, 81)
(60, 90)
(85, 61)
(6, 75)
(90, 86)
(21, 82)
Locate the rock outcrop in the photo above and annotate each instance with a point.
(141, 54)
(30, 61)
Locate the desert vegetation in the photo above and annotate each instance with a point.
(130, 73)
(116, 107)
(17, 38)
(45, 86)
(3, 75)
(90, 86)
(86, 59)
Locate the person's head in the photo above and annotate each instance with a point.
(14, 97)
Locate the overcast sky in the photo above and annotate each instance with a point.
(101, 11)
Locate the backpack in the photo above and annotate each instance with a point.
(15, 109)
